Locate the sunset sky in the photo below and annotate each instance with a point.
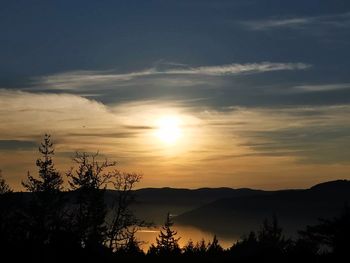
(240, 93)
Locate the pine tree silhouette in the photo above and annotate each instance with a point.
(189, 248)
(167, 243)
(45, 216)
(49, 179)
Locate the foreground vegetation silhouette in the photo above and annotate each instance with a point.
(49, 223)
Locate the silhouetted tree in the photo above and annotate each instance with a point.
(188, 249)
(214, 248)
(333, 234)
(45, 217)
(304, 248)
(268, 244)
(271, 240)
(121, 221)
(89, 181)
(131, 248)
(270, 234)
(5, 205)
(4, 187)
(49, 179)
(167, 243)
(201, 247)
(246, 248)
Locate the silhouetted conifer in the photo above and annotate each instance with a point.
(271, 241)
(214, 248)
(131, 248)
(189, 249)
(49, 179)
(270, 234)
(167, 243)
(201, 247)
(45, 215)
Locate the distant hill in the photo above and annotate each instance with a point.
(152, 204)
(294, 208)
(234, 212)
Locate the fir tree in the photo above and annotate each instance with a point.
(49, 179)
(167, 243)
(45, 213)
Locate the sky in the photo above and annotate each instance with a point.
(239, 93)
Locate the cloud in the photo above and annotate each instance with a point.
(234, 140)
(17, 145)
(334, 21)
(233, 69)
(321, 87)
(306, 134)
(91, 79)
(74, 120)
(78, 122)
(276, 23)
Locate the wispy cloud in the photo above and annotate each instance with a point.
(321, 87)
(249, 68)
(337, 20)
(275, 23)
(17, 145)
(80, 79)
(306, 134)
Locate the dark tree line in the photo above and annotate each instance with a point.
(327, 241)
(53, 224)
(53, 221)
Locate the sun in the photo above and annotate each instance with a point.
(169, 129)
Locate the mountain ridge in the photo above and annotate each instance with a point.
(295, 208)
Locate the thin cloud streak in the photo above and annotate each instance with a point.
(321, 87)
(337, 20)
(82, 79)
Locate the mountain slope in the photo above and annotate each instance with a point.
(294, 208)
(153, 204)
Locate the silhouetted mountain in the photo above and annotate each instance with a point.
(152, 204)
(234, 212)
(333, 186)
(294, 208)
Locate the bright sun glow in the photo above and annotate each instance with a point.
(169, 130)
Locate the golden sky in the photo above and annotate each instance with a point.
(178, 144)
